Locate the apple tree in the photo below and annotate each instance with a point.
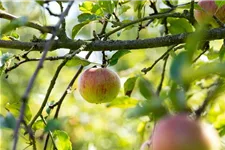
(112, 74)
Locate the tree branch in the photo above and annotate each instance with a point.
(33, 59)
(159, 88)
(155, 16)
(214, 90)
(164, 55)
(8, 16)
(50, 133)
(213, 34)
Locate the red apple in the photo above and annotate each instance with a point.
(180, 132)
(99, 85)
(209, 8)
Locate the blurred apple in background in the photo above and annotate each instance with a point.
(180, 132)
(209, 8)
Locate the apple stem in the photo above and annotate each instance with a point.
(104, 60)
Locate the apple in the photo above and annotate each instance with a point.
(99, 85)
(209, 8)
(179, 132)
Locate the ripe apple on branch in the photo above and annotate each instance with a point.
(99, 85)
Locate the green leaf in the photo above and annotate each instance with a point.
(124, 2)
(220, 3)
(178, 64)
(40, 2)
(122, 9)
(212, 54)
(146, 108)
(77, 61)
(222, 131)
(123, 102)
(192, 41)
(8, 121)
(86, 17)
(114, 59)
(141, 127)
(39, 124)
(52, 125)
(1, 6)
(4, 58)
(1, 65)
(138, 6)
(48, 109)
(14, 108)
(14, 24)
(108, 6)
(222, 52)
(178, 98)
(77, 28)
(146, 88)
(190, 74)
(91, 8)
(129, 85)
(2, 121)
(15, 35)
(178, 26)
(62, 140)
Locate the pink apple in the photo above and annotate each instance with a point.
(99, 85)
(180, 132)
(209, 8)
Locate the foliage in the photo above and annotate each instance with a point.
(157, 79)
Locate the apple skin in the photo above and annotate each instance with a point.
(180, 132)
(209, 9)
(99, 85)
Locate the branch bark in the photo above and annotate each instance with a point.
(213, 34)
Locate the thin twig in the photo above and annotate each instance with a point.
(31, 135)
(213, 92)
(51, 13)
(153, 6)
(46, 142)
(53, 58)
(192, 18)
(69, 87)
(218, 21)
(50, 133)
(202, 53)
(25, 96)
(162, 75)
(105, 23)
(104, 60)
(145, 70)
(160, 15)
(169, 4)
